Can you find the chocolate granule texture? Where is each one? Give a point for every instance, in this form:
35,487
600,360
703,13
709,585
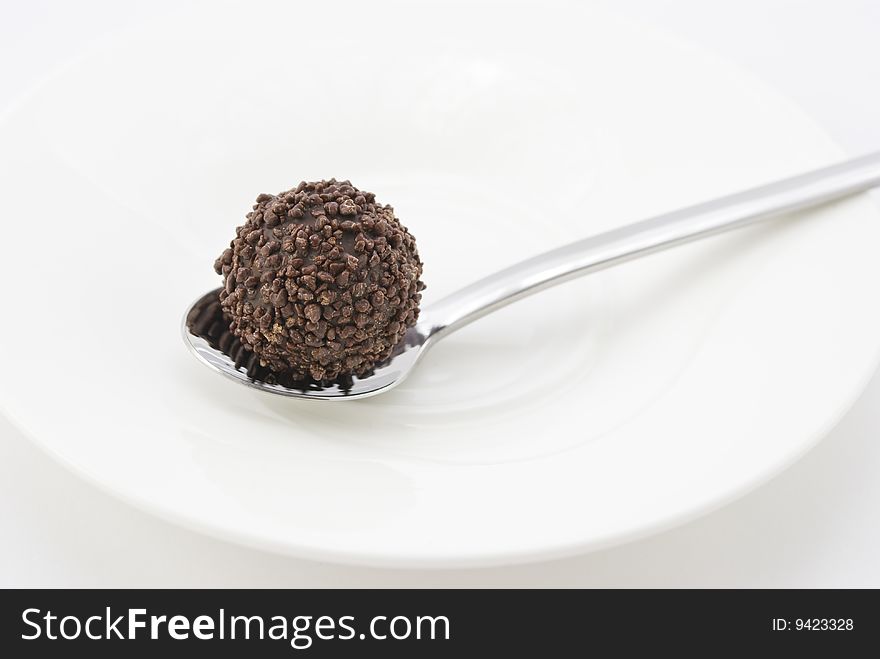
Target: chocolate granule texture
320,281
207,320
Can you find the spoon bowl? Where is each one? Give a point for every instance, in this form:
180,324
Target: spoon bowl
384,377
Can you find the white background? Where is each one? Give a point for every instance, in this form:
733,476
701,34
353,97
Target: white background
815,525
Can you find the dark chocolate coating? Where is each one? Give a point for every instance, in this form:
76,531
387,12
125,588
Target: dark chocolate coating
321,281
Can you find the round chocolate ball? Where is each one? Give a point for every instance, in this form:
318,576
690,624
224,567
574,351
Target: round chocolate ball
321,281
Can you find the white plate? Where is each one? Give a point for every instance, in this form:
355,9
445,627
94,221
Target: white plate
593,413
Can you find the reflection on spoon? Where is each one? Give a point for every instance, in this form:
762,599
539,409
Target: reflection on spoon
205,330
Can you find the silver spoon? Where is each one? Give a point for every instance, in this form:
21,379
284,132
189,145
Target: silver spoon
559,265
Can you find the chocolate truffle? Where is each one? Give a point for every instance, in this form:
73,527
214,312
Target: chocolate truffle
321,281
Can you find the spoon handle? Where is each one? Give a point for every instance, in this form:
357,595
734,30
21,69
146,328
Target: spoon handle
648,236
